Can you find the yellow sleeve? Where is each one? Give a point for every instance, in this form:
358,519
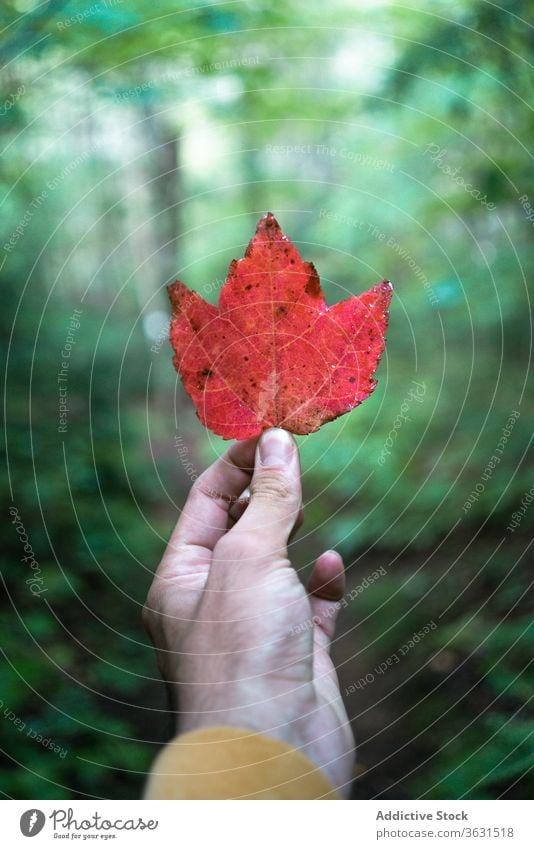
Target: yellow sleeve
234,763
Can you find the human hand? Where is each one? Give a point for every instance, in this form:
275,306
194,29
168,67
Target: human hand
224,608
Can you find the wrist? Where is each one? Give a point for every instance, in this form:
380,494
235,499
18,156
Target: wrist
285,716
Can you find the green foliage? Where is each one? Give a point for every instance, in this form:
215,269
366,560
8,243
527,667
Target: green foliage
460,700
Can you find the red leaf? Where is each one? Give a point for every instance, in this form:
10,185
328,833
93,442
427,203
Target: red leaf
273,353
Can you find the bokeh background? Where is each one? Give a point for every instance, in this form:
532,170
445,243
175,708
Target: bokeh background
140,143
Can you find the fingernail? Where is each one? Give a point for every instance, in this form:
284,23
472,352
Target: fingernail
276,447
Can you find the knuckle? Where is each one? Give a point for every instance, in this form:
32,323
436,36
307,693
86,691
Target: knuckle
203,486
272,485
201,482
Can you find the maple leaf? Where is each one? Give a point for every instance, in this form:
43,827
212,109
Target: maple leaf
273,354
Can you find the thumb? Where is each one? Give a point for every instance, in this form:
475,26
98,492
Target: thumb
275,493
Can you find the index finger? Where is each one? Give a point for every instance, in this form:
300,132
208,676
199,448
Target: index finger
204,518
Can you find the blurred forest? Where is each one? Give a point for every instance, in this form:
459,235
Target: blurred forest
142,143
